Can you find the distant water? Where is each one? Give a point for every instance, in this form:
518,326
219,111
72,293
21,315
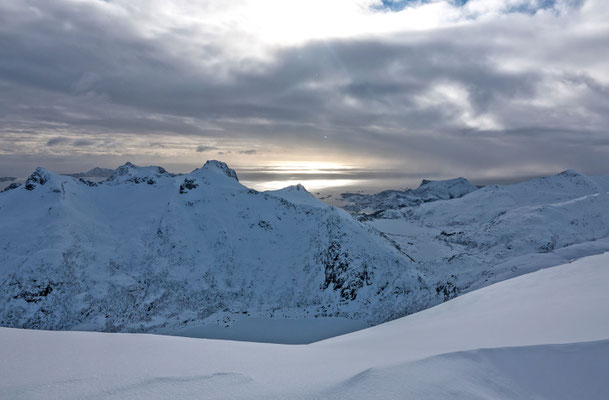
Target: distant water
329,183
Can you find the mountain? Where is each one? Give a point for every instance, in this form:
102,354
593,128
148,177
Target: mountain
544,336
501,231
427,192
200,254
94,173
147,250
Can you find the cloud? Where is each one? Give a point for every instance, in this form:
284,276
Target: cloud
248,152
496,86
201,148
83,143
57,141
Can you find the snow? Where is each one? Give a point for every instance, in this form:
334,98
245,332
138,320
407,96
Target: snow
543,335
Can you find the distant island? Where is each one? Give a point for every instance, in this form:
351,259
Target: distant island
94,173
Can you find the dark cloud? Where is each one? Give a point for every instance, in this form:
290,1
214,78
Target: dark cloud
57,141
201,148
83,143
248,152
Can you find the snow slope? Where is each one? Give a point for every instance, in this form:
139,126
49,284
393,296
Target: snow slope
151,251
543,335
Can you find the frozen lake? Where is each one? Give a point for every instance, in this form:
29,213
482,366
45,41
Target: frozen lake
273,330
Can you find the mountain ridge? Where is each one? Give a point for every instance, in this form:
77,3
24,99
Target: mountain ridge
147,249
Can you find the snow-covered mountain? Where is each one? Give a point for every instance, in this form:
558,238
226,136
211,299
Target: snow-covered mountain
427,192
96,172
151,251
498,232
147,250
544,336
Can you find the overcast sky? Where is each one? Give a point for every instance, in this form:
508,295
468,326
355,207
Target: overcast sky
478,88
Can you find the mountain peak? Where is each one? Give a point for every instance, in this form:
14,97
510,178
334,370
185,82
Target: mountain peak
129,172
221,166
96,172
569,173
295,188
297,194
446,182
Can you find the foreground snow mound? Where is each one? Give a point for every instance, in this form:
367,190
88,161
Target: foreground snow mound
543,335
427,192
573,371
147,250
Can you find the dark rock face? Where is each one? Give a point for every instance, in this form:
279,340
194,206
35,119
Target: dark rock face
448,290
340,275
38,177
11,187
88,182
188,184
34,294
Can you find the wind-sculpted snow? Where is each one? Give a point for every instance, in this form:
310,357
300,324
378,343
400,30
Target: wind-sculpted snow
427,192
148,250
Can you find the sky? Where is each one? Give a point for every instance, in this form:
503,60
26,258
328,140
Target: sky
486,89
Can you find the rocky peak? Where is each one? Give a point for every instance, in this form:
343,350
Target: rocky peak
570,173
221,166
129,172
39,177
